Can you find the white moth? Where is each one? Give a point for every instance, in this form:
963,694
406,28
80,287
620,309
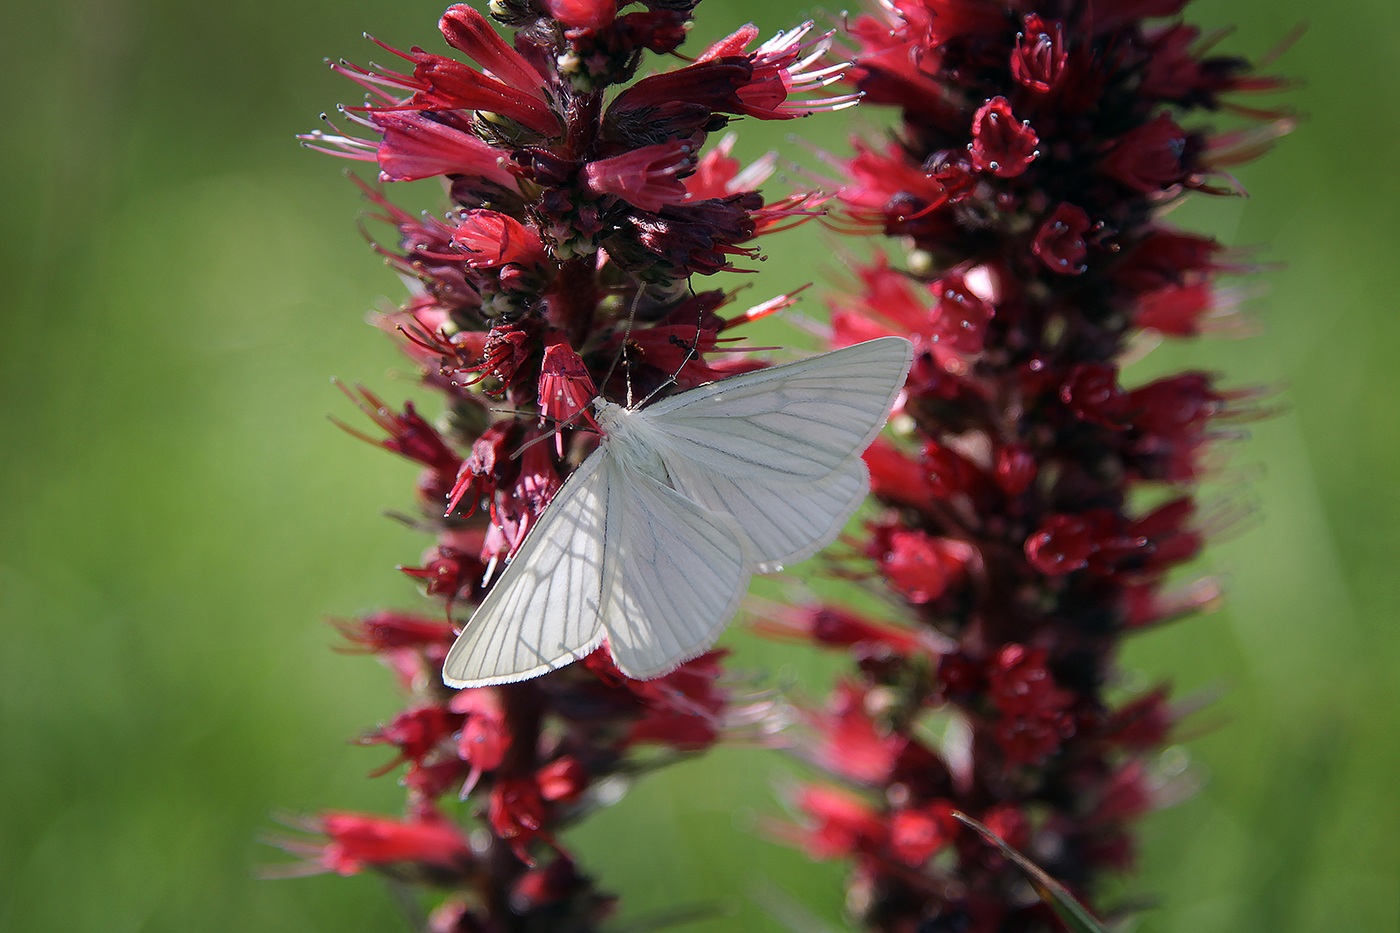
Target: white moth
650,543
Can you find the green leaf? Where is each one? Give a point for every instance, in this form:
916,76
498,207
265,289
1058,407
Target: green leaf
1074,915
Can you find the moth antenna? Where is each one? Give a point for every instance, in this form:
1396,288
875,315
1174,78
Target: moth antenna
626,338
692,351
559,425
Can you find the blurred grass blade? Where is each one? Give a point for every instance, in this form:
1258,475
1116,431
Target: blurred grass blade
1072,914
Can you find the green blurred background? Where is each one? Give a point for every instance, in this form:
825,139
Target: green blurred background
179,516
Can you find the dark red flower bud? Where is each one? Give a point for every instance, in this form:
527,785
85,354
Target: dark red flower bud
1064,544
1015,469
1148,158
1092,393
548,885
1060,241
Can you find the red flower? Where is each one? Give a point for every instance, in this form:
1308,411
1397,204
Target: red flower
916,835
647,177
494,239
388,631
518,815
849,743
470,33
840,824
1034,712
357,841
921,567
416,146
1000,144
1040,57
416,732
583,14
485,737
836,628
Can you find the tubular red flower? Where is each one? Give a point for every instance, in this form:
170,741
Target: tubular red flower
470,33
649,177
358,841
494,239
416,146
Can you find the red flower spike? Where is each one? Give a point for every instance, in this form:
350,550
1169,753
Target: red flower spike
1001,145
1046,242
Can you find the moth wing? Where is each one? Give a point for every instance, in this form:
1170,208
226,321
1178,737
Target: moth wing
675,575
799,420
781,523
544,611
